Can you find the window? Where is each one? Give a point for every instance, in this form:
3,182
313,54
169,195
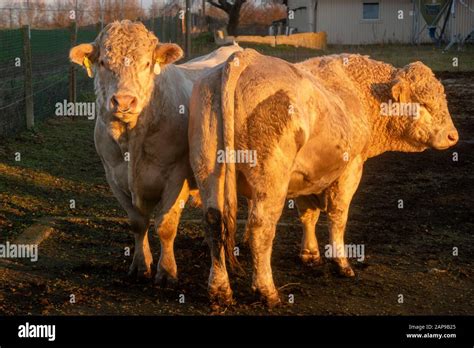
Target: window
370,10
432,9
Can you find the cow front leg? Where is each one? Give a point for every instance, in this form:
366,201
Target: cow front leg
139,224
339,198
142,257
168,214
309,215
337,224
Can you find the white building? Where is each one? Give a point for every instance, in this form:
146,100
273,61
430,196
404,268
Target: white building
372,21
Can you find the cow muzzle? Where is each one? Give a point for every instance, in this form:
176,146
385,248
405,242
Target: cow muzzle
123,103
445,139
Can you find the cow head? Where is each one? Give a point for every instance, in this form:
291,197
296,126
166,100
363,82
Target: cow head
125,57
432,127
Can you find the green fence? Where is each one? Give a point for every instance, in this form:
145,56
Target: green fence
12,108
51,69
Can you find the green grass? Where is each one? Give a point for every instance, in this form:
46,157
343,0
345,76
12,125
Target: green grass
58,163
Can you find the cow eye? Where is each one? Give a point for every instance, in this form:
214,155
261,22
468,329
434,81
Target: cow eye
101,63
148,64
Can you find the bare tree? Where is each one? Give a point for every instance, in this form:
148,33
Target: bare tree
232,8
39,14
7,15
60,14
261,14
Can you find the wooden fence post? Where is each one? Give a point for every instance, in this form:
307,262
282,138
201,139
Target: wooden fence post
30,117
174,27
188,27
163,28
179,30
72,69
153,18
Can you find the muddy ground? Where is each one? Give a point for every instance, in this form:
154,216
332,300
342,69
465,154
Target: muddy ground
408,251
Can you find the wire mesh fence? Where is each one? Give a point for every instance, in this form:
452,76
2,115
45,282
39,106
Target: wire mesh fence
50,67
12,108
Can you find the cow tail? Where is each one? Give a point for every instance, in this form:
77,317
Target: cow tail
231,73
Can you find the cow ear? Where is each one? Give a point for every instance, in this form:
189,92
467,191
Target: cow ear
166,54
400,91
84,55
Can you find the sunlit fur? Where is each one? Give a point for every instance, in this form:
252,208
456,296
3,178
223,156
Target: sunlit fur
145,151
312,125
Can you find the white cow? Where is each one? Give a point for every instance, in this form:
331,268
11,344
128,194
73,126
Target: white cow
141,130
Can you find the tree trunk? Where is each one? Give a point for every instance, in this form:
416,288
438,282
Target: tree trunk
234,17
232,10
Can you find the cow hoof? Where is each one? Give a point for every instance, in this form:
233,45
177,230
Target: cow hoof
270,299
139,275
346,272
221,298
165,280
311,258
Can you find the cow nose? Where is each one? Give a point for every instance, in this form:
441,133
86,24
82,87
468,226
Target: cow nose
453,137
124,102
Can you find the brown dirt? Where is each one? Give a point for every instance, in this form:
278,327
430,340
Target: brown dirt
408,251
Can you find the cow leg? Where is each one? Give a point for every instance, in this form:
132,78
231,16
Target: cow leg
139,223
220,293
142,258
261,226
219,289
309,215
245,238
209,178
168,214
339,198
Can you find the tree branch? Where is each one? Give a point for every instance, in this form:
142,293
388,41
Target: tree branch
223,5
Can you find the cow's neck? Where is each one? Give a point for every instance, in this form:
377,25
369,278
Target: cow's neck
373,79
121,132
386,135
388,132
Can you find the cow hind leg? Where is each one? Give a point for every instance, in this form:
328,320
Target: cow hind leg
262,227
220,293
309,215
211,183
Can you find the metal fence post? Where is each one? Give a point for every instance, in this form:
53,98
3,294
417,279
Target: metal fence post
30,118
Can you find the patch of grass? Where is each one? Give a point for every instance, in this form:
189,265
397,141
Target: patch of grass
58,163
204,38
